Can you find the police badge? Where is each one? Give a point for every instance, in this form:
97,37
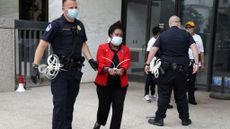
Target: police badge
78,28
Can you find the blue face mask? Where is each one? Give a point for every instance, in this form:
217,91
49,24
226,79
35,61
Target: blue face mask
116,41
72,13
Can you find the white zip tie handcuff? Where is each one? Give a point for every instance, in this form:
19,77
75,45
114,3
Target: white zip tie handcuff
155,69
116,67
52,69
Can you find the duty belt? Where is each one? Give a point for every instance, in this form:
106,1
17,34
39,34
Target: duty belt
71,63
174,66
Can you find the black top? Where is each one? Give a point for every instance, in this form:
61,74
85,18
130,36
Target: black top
173,45
66,38
114,81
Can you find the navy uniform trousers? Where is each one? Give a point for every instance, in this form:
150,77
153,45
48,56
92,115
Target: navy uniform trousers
65,90
172,80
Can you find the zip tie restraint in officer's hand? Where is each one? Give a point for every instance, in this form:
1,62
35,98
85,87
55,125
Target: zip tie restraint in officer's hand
93,64
35,74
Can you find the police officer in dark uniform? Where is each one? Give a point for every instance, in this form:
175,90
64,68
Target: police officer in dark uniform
173,45
68,41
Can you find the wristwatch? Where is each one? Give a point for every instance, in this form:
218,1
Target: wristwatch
35,66
196,64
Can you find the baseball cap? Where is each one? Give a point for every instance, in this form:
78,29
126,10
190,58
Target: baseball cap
190,23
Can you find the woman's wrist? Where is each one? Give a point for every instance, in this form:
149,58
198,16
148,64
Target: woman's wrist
106,69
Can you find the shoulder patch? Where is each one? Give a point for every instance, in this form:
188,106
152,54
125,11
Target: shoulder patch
48,27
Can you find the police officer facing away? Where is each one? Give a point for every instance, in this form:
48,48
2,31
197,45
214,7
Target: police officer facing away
67,37
173,45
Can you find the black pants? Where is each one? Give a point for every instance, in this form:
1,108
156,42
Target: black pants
149,84
65,90
107,96
177,81
191,87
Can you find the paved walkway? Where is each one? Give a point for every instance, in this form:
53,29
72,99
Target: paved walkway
33,110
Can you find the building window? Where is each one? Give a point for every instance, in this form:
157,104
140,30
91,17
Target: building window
34,10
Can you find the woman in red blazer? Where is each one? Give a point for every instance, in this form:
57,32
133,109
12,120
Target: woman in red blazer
112,79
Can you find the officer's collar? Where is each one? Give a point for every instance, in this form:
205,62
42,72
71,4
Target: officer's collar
175,27
63,18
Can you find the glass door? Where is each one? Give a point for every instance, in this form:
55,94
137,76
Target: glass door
201,12
142,16
221,62
136,36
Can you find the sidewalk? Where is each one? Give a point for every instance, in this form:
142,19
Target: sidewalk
33,110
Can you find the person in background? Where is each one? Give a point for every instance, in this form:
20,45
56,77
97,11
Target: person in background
67,37
190,26
149,82
112,78
173,45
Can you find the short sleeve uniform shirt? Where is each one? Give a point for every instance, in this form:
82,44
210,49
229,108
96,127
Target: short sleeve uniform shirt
66,38
173,45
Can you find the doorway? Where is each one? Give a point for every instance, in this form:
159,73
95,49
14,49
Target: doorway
142,16
136,36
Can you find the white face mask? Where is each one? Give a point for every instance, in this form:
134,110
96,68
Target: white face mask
116,40
72,13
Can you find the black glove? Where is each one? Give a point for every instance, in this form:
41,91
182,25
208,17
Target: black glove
35,74
93,64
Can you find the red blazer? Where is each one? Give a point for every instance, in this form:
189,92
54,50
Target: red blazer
105,51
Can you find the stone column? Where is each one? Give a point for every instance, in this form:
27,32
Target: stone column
7,55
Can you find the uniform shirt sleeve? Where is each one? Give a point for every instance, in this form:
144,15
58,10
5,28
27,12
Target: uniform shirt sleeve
190,39
157,43
83,34
50,32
